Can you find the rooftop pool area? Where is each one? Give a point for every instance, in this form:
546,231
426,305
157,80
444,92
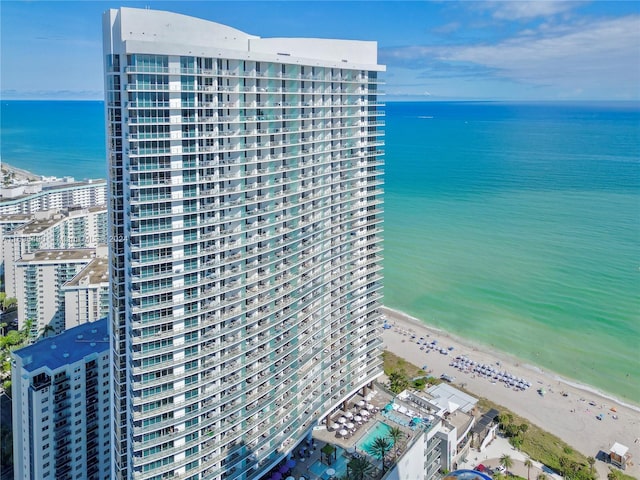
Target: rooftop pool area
379,429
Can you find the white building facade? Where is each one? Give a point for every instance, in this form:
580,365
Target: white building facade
41,276
32,198
245,204
60,406
86,296
75,228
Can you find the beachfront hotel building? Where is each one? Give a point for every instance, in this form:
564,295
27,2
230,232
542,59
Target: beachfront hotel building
245,199
60,406
38,196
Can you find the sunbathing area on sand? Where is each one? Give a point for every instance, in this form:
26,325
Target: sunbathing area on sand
587,421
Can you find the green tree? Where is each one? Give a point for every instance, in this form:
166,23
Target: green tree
395,435
506,461
3,325
398,381
505,419
379,449
591,461
542,476
6,386
565,464
359,468
12,339
528,464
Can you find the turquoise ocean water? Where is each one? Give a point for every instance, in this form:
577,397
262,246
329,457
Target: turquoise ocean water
517,226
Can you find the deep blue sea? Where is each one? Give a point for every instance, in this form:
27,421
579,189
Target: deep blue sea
515,225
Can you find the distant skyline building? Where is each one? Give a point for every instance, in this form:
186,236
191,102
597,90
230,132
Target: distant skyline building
60,406
245,212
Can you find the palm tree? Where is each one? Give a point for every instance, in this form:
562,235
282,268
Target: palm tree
3,325
591,461
523,429
506,461
542,476
359,468
528,464
379,449
395,435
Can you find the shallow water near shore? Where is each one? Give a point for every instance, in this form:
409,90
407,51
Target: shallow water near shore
515,226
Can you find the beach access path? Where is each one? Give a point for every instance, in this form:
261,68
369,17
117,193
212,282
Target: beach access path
566,410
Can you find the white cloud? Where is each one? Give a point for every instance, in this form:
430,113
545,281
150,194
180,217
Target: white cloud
600,59
524,10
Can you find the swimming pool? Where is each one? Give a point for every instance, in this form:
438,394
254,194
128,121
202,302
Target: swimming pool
319,469
380,429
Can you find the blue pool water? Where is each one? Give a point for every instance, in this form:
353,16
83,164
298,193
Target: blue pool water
380,429
319,468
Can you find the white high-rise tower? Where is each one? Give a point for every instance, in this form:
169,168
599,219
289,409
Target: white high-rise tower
245,199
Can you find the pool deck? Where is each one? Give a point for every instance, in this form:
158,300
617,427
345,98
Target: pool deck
322,436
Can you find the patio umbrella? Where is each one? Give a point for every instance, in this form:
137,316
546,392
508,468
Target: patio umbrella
283,469
350,425
361,403
290,478
330,472
276,476
342,420
291,463
357,418
342,432
364,413
348,415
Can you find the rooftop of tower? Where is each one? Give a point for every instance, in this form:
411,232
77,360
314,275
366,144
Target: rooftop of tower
155,31
68,347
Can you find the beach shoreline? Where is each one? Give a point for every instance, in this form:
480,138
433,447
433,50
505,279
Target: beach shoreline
588,389
19,172
568,409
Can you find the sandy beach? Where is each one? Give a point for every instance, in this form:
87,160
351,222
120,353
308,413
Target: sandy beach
567,409
18,173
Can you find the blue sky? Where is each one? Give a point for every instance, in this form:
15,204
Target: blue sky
446,50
